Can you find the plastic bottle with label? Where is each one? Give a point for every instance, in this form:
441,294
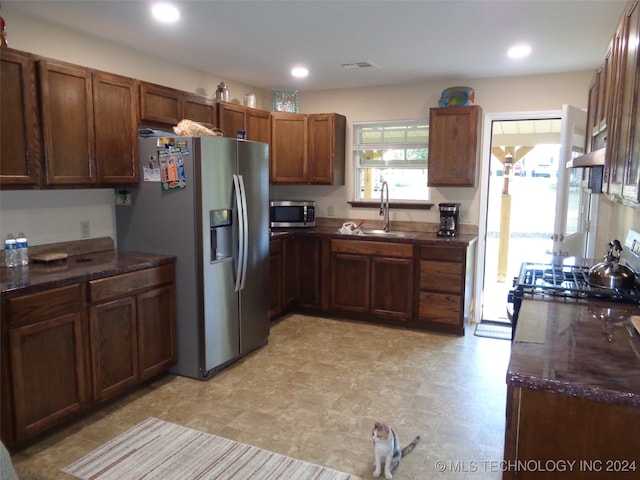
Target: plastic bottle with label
10,251
23,249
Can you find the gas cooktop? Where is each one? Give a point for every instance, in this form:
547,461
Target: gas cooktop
567,281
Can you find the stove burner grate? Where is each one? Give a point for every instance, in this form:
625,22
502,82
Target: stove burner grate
567,281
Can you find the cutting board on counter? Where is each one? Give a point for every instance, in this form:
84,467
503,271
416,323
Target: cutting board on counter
48,257
57,251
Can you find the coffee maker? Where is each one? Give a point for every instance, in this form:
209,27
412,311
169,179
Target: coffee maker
449,213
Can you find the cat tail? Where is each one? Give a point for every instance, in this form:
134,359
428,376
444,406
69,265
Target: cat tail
409,448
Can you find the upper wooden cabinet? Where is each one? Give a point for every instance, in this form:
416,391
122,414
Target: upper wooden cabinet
116,124
614,100
200,109
289,148
68,124
627,140
254,122
166,107
308,148
88,121
20,153
258,125
160,105
454,144
327,133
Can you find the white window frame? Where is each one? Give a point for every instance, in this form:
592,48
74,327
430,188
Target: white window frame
397,135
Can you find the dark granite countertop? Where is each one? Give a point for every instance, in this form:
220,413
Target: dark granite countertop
421,237
586,349
76,269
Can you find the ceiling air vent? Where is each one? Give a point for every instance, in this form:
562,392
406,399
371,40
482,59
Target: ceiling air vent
354,65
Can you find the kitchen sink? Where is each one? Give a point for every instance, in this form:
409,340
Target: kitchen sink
391,233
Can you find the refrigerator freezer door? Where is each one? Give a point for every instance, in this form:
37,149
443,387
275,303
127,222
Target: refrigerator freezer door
253,167
221,309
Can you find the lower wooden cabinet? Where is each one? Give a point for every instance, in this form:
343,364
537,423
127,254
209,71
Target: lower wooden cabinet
372,278
601,438
66,349
275,278
295,274
422,285
156,330
350,289
47,368
132,328
445,286
114,347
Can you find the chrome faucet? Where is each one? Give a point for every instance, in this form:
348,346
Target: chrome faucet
384,205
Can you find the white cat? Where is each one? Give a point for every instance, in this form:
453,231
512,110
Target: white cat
386,448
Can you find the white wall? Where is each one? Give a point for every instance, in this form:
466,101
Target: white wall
32,212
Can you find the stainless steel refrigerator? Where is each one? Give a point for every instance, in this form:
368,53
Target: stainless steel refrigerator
205,200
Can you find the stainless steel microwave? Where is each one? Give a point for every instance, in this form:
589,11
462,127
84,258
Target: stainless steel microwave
292,213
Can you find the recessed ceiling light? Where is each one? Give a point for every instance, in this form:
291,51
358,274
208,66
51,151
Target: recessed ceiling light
165,12
299,72
519,51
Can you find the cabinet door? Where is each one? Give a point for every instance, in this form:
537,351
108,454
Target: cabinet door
160,105
48,373
156,331
440,308
20,146
454,135
308,272
289,146
290,267
592,124
441,276
231,119
612,107
200,109
628,127
116,124
258,125
392,287
114,347
326,149
350,276
68,121
276,278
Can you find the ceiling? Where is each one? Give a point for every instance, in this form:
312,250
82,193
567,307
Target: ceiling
257,42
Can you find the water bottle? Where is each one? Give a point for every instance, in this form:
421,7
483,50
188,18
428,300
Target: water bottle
22,247
10,251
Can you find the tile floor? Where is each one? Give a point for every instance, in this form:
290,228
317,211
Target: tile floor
314,392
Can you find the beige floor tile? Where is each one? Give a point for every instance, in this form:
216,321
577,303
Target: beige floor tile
314,392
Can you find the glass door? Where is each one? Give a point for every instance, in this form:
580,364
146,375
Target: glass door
572,197
535,205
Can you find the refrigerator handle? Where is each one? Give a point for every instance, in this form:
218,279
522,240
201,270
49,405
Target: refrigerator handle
241,234
245,230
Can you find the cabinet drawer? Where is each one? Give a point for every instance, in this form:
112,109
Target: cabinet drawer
435,252
128,283
441,276
440,308
44,305
387,249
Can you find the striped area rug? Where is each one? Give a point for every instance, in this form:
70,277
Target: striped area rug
159,450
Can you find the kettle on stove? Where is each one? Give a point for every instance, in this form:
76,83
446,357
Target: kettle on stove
610,273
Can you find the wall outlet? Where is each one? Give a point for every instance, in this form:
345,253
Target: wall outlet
123,199
330,211
85,229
